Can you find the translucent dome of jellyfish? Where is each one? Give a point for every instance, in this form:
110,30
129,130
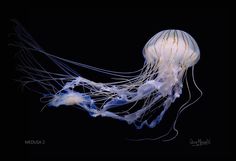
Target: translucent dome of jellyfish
168,55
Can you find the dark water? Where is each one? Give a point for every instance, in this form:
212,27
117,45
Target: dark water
113,39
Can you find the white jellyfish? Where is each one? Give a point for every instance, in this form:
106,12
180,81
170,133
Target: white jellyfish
134,97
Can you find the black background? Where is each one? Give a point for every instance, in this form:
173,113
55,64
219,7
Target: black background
113,39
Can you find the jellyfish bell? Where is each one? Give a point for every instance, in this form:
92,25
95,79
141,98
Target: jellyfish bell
172,46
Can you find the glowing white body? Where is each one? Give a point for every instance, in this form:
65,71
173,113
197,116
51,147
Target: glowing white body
168,55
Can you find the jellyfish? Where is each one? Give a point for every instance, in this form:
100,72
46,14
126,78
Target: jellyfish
133,97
